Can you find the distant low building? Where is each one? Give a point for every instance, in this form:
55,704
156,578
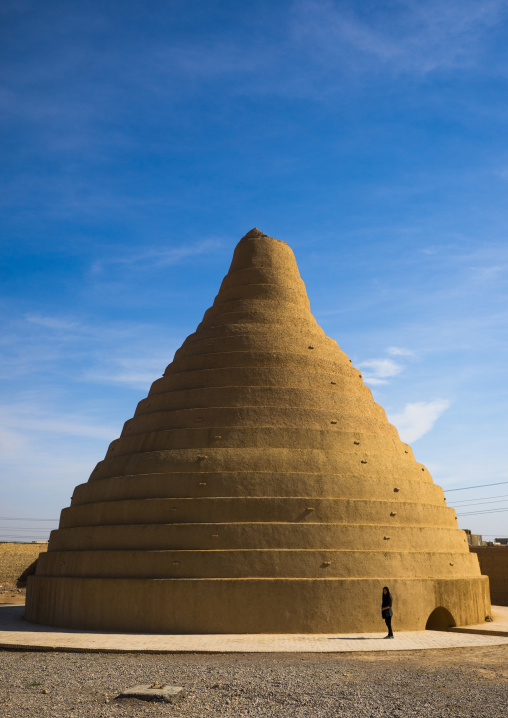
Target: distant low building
474,539
502,541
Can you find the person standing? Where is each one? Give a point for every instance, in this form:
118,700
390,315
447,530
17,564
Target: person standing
386,610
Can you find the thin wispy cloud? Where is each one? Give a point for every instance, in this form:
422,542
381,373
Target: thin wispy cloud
11,442
320,38
379,371
18,419
400,352
414,37
418,419
156,258
60,349
52,322
136,372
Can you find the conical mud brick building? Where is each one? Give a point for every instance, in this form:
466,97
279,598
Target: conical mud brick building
258,488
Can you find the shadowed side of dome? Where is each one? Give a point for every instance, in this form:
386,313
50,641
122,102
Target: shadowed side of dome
257,488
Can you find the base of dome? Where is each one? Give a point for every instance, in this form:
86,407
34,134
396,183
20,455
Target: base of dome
203,606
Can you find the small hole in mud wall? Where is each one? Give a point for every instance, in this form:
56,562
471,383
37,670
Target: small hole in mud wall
440,620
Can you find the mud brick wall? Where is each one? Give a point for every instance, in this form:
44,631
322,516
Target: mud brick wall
494,564
15,557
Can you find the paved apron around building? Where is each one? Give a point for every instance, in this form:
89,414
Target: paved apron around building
16,633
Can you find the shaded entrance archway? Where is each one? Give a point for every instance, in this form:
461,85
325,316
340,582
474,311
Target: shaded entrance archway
440,620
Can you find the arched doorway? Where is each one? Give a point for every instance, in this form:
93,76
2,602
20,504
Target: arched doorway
440,620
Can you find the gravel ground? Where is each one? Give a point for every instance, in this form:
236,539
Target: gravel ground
455,682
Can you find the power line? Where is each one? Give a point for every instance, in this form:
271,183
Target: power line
23,531
477,503
479,486
16,531
487,511
479,500
5,529
10,518
12,527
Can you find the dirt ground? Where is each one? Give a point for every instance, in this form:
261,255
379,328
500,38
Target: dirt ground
14,559
11,594
465,683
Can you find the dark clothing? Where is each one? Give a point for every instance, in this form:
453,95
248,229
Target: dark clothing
386,609
386,606
387,601
388,621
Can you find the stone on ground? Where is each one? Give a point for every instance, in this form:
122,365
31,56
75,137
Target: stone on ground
154,692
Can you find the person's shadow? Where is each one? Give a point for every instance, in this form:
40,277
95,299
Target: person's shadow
354,638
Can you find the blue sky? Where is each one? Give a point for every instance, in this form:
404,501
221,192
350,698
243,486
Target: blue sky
142,140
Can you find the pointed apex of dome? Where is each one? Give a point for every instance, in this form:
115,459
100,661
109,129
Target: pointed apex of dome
254,233
263,285
256,249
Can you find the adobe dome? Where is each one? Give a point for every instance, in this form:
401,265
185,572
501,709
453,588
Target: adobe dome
258,488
